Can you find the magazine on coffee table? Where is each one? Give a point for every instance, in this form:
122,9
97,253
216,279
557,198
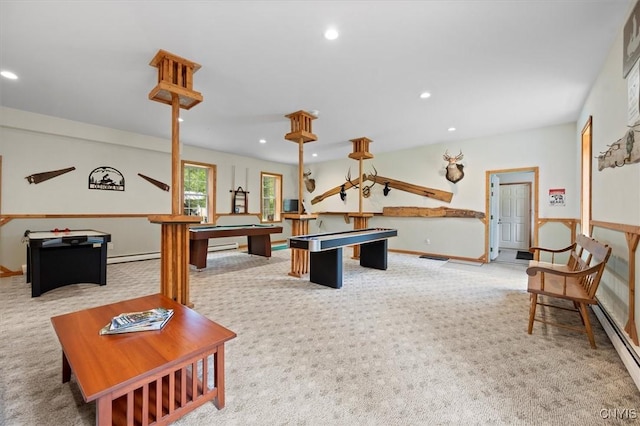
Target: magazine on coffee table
152,319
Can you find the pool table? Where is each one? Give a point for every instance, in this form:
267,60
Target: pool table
258,239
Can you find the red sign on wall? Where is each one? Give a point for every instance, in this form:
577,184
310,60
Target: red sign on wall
557,197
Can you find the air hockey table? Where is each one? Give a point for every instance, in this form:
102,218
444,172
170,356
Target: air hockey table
58,258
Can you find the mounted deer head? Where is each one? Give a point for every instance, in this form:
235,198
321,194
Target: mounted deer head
366,190
454,170
310,184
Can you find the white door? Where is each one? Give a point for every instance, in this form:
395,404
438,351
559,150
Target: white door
515,214
494,228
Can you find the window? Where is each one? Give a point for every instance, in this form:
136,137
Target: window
198,190
271,197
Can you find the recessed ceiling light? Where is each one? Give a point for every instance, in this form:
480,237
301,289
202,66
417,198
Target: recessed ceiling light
331,34
263,141
314,154
425,95
180,120
8,74
314,112
451,129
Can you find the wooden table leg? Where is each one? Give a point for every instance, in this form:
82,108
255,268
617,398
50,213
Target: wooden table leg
104,412
66,369
218,376
198,253
259,245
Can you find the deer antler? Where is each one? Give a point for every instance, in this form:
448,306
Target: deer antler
451,159
366,191
348,178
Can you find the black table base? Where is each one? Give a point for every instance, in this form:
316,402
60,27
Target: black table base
325,267
53,266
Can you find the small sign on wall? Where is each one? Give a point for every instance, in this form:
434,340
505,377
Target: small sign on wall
106,178
557,197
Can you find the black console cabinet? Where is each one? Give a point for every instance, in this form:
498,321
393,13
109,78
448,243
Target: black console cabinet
56,259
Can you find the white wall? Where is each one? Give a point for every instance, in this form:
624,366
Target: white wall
551,149
32,143
616,191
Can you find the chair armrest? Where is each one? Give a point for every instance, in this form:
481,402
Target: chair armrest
548,250
533,270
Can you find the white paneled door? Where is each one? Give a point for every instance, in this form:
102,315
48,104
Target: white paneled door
515,215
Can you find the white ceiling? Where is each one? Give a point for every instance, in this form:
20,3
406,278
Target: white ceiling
491,66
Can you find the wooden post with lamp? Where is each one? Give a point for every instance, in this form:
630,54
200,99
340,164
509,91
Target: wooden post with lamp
301,133
175,88
360,219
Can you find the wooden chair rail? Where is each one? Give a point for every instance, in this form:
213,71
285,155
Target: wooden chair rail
533,270
536,251
5,218
632,235
549,250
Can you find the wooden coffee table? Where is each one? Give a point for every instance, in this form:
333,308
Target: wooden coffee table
148,377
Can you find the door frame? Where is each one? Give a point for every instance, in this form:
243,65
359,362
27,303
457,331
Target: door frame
586,142
494,226
530,218
534,210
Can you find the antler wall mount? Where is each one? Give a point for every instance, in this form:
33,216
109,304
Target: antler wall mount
366,190
625,150
436,194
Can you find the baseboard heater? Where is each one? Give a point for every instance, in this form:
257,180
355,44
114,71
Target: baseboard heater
621,343
156,255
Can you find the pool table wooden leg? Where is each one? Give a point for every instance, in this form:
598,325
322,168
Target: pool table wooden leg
198,253
259,245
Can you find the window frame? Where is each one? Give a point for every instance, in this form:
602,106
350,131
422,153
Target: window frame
211,188
277,218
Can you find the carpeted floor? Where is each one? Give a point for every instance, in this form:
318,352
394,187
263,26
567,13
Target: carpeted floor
425,342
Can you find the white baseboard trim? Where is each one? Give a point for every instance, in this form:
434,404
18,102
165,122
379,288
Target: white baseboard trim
627,354
156,255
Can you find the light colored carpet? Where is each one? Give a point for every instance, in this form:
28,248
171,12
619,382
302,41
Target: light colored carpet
425,342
